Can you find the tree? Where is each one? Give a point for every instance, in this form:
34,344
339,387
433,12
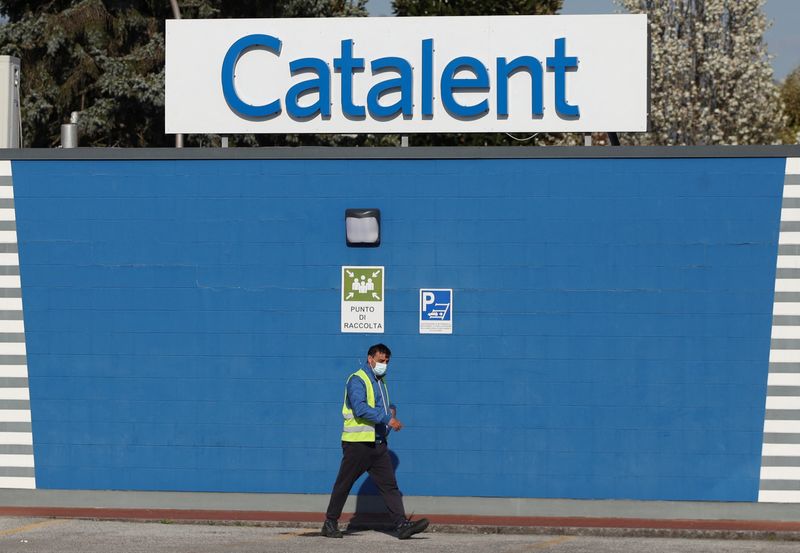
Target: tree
83,57
790,96
711,78
105,59
475,7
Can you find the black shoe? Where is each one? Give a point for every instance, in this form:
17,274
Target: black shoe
410,527
331,529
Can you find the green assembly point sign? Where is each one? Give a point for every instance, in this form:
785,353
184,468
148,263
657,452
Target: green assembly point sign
363,284
362,299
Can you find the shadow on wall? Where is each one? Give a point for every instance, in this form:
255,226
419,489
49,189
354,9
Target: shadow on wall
371,513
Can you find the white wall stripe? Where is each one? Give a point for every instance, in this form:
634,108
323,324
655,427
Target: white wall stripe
16,438
22,393
19,415
779,496
787,214
785,308
5,168
13,371
789,262
8,236
789,238
778,473
786,427
784,356
12,326
781,284
783,402
792,166
17,482
785,332
7,192
9,281
791,191
12,460
7,214
780,450
784,379
9,259
14,304
12,348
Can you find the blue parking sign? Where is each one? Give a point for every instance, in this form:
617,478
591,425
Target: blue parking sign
436,310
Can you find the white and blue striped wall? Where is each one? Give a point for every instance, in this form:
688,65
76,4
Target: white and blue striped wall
780,461
16,438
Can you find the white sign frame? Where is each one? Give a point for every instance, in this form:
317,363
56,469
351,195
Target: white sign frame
609,82
436,326
362,316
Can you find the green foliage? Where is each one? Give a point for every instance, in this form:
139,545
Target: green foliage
475,7
107,65
790,96
105,59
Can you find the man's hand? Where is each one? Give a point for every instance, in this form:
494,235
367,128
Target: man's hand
395,424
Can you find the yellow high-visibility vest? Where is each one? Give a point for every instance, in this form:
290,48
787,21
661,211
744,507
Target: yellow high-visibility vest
357,429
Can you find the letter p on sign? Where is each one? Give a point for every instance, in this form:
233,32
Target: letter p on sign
427,299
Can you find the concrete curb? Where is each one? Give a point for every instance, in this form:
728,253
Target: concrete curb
684,533
764,530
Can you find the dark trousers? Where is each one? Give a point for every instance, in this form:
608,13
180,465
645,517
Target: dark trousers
361,457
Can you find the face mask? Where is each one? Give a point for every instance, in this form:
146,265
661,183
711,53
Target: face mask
380,368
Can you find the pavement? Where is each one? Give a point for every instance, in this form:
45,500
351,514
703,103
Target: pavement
67,535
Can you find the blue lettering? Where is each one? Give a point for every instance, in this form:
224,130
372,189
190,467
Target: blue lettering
321,85
478,83
560,63
233,55
505,70
427,76
346,65
403,83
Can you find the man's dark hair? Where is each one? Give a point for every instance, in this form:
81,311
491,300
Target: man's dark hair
379,348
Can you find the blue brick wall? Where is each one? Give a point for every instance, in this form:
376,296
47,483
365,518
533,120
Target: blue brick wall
612,323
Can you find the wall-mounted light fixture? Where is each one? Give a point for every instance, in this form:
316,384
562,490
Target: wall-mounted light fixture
363,227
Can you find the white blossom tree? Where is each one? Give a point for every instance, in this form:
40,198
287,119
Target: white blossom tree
710,77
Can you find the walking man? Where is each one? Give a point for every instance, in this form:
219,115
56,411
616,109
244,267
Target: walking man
368,419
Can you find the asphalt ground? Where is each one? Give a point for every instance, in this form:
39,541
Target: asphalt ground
49,535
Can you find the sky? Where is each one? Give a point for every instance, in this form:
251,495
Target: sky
783,38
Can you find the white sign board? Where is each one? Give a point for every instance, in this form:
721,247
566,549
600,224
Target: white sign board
436,311
362,299
564,73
